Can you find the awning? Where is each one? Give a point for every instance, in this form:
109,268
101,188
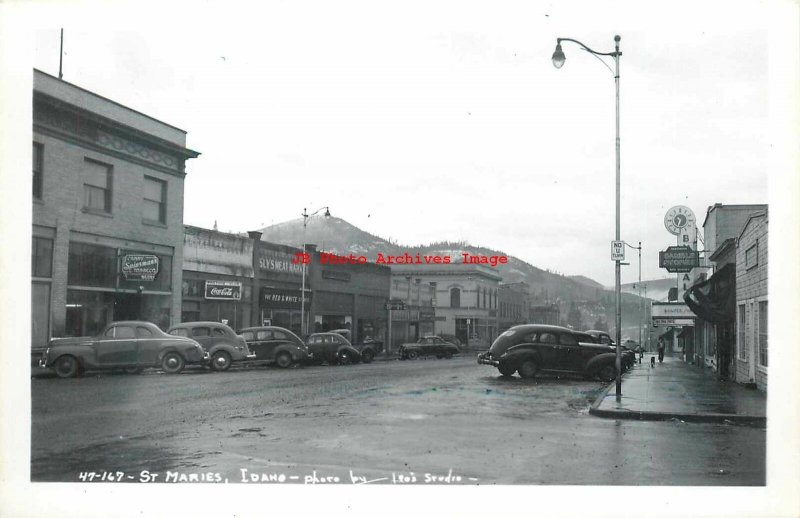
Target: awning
714,300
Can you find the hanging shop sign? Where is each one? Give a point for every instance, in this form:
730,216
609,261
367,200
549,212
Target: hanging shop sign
678,259
223,290
139,267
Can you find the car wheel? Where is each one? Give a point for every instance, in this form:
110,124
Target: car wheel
133,370
221,361
506,370
607,373
172,363
345,358
283,360
528,369
66,367
412,355
367,356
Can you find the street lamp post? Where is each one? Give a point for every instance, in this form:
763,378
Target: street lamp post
639,287
306,215
558,62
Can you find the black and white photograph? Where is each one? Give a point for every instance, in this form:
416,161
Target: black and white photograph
359,258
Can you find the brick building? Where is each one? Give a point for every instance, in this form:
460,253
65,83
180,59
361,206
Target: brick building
239,279
107,213
752,300
419,317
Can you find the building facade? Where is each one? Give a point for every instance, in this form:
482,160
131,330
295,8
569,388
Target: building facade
466,299
107,213
348,296
240,280
419,317
549,314
722,222
752,302
513,305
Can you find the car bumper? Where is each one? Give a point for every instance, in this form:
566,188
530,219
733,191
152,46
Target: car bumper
486,359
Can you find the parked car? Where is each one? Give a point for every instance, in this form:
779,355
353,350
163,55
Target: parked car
332,348
453,339
275,345
628,355
533,348
368,348
427,346
129,345
220,342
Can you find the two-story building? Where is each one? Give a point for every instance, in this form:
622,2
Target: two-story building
513,305
107,213
722,223
466,299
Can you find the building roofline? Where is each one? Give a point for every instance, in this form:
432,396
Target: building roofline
722,248
755,215
110,101
754,206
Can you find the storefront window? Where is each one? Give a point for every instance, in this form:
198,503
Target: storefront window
92,265
42,257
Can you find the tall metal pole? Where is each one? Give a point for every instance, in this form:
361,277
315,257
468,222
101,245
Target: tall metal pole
641,305
61,56
616,263
303,283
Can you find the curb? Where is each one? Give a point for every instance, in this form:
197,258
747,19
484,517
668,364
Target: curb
642,415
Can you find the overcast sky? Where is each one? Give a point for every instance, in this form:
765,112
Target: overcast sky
427,121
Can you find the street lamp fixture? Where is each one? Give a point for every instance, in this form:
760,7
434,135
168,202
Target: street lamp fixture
306,215
558,61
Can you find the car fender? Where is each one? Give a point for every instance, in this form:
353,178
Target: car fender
516,355
86,355
292,349
596,362
234,354
352,350
170,349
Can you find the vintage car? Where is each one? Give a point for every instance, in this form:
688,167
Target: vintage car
275,345
332,348
220,342
129,345
368,348
628,355
532,348
427,346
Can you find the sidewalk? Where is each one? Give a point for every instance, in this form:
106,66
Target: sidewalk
677,390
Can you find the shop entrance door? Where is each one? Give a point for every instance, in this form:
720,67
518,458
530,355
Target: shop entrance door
127,306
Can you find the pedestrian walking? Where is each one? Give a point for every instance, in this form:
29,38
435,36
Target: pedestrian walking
660,350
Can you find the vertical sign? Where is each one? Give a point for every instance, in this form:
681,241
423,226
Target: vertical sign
618,250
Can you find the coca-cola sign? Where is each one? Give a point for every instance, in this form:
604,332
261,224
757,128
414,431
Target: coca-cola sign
223,290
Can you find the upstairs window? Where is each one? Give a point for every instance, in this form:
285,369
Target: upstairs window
154,207
97,186
38,167
455,298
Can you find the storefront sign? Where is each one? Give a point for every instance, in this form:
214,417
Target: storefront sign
223,290
667,310
282,298
139,267
678,259
277,261
672,322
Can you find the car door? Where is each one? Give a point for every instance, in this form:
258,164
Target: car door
547,344
315,347
569,353
148,346
117,346
437,346
202,334
264,345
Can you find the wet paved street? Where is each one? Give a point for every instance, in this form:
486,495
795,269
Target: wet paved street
385,422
